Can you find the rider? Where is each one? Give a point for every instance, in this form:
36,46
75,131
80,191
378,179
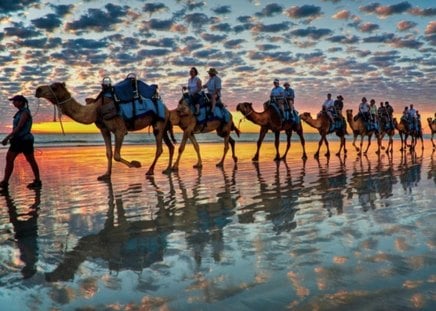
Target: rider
213,86
413,118
194,88
364,109
278,95
289,96
329,106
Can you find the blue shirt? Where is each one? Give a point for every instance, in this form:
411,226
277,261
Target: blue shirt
277,92
289,93
214,84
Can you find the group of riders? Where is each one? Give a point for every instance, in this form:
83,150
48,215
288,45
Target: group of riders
282,98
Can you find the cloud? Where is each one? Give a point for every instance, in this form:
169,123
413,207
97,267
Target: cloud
312,32
405,25
430,29
191,5
152,8
305,11
343,14
343,39
14,5
157,24
270,10
48,22
224,27
20,31
197,20
222,10
368,27
259,27
423,12
384,11
213,38
408,42
232,44
99,20
62,9
384,38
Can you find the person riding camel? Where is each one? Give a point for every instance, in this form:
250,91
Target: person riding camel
329,107
213,86
364,109
289,96
278,95
194,89
413,122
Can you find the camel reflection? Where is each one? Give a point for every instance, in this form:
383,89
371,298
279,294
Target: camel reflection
25,226
203,223
331,185
368,182
278,201
123,244
409,170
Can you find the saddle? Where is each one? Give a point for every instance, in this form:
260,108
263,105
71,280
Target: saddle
132,98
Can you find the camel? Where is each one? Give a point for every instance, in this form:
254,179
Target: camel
359,128
270,120
432,126
59,96
184,117
322,124
403,129
383,132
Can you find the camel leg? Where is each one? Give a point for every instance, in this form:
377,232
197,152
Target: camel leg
262,133
432,142
401,138
379,144
170,146
108,143
369,144
226,149
277,145
303,141
327,154
119,138
232,145
361,145
354,143
319,147
288,144
197,151
341,146
158,134
182,145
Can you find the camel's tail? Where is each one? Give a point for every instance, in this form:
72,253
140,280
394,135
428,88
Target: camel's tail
234,128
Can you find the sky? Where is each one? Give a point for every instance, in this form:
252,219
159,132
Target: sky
383,49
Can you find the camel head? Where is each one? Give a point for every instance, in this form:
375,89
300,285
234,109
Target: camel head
305,116
244,108
349,112
183,107
56,93
429,120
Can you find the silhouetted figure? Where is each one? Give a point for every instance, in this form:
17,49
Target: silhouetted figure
25,225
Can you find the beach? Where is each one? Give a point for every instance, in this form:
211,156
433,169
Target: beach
344,233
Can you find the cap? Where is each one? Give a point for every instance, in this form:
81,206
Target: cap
276,80
212,70
19,98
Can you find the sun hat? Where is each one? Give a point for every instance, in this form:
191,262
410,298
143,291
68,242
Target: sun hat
19,98
286,84
276,80
212,71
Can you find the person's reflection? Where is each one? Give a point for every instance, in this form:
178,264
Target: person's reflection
26,231
410,170
331,186
385,177
124,244
205,222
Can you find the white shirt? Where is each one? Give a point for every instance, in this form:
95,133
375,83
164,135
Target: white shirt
193,84
328,103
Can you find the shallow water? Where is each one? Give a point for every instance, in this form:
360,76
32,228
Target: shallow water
343,234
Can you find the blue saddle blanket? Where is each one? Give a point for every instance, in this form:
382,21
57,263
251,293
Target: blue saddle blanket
338,124
128,89
220,112
141,107
286,115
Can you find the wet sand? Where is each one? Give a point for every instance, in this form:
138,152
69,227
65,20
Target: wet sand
344,233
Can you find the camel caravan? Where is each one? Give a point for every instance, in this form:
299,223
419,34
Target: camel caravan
132,105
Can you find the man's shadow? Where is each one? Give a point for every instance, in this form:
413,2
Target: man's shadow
25,224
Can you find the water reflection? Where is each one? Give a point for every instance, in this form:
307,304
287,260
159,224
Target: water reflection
331,184
205,220
25,225
123,244
409,170
277,200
